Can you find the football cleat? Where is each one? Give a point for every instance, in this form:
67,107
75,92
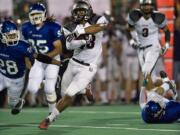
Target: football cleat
17,109
163,74
89,94
44,124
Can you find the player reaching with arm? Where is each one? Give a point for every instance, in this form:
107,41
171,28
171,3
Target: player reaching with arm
87,51
146,22
16,58
158,104
45,36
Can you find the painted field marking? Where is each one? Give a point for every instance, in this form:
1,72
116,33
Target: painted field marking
78,112
98,127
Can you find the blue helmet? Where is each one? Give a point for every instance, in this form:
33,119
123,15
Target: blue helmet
10,33
37,13
153,109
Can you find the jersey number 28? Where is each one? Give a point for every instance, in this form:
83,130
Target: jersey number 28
8,66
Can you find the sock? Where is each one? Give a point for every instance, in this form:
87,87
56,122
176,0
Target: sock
103,96
51,107
165,79
165,86
53,114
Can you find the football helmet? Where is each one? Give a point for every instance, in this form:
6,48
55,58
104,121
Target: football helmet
81,11
153,109
146,6
10,33
37,13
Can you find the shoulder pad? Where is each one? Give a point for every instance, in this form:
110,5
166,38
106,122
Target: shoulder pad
135,15
70,26
24,43
52,24
26,24
158,17
94,19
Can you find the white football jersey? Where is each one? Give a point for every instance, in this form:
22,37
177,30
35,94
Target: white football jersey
146,96
93,54
147,29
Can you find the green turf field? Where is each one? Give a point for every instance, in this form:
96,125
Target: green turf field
89,120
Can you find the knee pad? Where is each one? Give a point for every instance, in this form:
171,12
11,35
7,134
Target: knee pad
51,97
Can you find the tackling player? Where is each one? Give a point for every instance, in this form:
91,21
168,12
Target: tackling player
157,103
84,37
45,36
16,59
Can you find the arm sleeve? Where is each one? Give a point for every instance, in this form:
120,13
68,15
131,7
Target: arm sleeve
44,58
74,44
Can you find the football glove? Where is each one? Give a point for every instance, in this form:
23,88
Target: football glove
164,49
134,43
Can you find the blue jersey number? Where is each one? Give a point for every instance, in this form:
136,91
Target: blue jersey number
38,45
8,66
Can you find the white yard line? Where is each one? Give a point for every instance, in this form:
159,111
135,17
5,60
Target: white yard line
104,112
108,124
79,112
99,127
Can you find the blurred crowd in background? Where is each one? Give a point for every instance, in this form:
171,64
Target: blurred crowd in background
117,80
